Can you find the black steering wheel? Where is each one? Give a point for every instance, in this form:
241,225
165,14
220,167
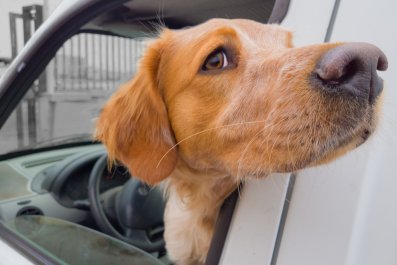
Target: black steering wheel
139,210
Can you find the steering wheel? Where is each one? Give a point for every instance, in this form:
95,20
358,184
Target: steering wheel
139,208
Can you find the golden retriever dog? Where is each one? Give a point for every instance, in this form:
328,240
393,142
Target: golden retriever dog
227,100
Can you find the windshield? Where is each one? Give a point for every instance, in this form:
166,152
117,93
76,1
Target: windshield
63,103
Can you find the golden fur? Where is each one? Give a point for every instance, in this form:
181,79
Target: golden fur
207,131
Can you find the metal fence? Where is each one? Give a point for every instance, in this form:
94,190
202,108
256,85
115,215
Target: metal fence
32,18
86,62
83,73
94,62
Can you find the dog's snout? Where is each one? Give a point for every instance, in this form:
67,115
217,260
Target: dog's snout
352,68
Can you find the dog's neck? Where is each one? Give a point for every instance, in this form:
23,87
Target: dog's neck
194,200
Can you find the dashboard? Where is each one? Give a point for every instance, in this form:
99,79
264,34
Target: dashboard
56,186
75,187
54,183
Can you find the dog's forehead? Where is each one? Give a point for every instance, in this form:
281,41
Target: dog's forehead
248,29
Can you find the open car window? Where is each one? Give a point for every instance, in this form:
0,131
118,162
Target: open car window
71,243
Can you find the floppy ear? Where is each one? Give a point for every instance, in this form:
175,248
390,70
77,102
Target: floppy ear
134,124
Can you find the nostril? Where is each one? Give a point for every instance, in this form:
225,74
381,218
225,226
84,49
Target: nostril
338,71
351,70
382,63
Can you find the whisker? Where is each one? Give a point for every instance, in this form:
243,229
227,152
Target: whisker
253,138
205,131
239,189
289,152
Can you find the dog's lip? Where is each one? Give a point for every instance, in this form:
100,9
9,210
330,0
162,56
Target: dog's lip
376,88
366,134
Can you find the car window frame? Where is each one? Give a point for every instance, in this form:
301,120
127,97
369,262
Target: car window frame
28,65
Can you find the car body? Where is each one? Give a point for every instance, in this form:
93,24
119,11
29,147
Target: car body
340,213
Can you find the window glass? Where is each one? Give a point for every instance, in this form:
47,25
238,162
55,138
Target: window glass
70,243
64,101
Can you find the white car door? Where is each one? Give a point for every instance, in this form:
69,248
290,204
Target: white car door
10,256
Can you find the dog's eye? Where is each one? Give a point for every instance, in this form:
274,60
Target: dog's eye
216,60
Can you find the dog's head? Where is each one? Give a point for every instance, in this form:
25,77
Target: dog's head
234,97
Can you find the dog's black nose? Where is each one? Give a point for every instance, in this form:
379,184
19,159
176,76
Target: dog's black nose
351,68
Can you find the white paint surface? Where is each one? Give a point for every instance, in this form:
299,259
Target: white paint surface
308,20
254,229
9,256
320,218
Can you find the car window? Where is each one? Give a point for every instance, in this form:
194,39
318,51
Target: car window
70,243
63,102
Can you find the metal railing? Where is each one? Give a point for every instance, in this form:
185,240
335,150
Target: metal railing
84,72
94,62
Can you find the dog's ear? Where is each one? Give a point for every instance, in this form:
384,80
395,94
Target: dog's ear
134,123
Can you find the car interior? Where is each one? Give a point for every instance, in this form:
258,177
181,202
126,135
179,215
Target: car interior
60,188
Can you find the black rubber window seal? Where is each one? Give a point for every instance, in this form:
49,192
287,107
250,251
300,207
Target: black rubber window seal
283,218
222,227
280,10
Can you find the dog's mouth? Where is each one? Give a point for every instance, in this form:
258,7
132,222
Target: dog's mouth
328,151
325,131
337,141
357,128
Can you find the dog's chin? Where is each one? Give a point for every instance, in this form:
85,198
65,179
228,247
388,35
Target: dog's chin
347,138
333,149
344,145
